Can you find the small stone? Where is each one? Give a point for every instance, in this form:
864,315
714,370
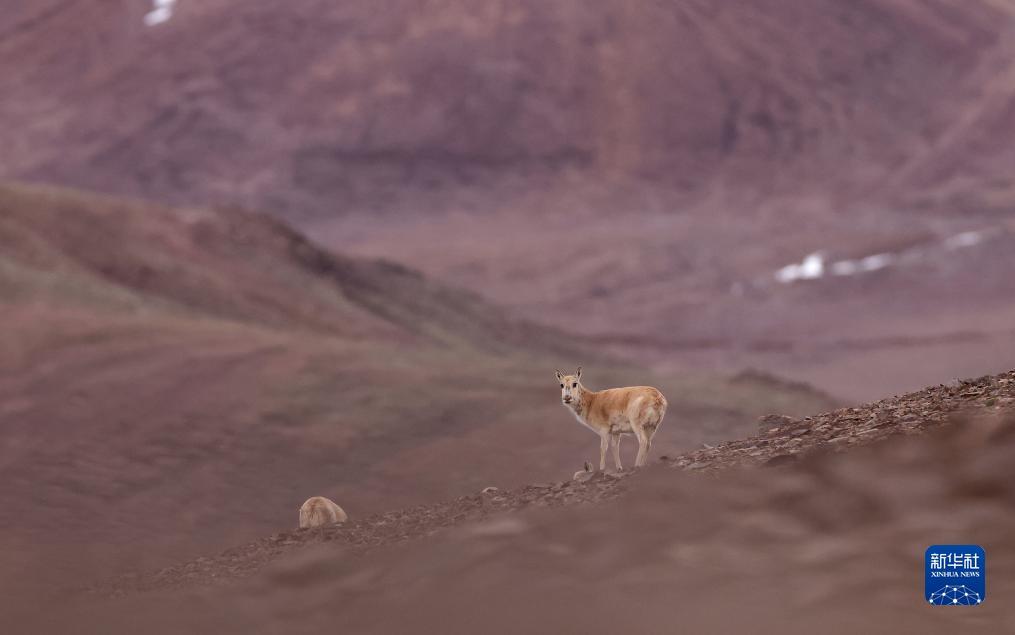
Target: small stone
768,422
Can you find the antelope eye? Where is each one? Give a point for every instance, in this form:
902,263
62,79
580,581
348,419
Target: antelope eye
562,385
574,385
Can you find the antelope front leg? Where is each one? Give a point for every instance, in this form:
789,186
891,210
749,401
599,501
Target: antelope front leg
615,440
603,442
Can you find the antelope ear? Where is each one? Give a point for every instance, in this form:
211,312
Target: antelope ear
578,373
560,375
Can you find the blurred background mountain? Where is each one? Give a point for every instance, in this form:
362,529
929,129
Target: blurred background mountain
634,171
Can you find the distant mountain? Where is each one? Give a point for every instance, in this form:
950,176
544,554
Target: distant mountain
318,108
636,172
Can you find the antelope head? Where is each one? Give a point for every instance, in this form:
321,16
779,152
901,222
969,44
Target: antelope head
570,386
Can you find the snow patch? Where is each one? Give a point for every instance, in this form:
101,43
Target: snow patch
965,239
877,261
846,267
161,11
811,268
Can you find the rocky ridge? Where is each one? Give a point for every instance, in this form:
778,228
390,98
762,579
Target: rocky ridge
835,431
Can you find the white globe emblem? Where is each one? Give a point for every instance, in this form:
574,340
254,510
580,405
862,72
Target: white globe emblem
955,594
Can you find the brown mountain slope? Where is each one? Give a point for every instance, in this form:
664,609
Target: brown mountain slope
175,380
661,547
243,267
787,444
633,173
316,107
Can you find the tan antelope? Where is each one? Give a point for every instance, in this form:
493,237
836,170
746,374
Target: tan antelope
318,511
610,413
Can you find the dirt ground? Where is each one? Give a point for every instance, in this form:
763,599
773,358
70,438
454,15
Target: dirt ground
790,528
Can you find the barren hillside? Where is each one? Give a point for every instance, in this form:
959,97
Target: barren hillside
818,499
337,248
177,380
648,168
318,107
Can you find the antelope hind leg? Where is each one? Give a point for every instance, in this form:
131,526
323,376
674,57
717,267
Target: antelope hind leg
643,447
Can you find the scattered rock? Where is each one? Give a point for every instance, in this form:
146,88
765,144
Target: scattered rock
772,421
783,445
